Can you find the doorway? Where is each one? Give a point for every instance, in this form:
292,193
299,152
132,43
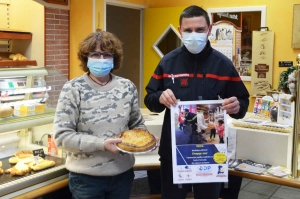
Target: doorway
126,24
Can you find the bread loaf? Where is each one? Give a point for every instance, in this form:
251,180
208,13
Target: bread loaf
6,111
17,57
43,164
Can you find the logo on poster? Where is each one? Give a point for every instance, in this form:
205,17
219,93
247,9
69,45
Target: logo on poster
204,171
220,172
205,168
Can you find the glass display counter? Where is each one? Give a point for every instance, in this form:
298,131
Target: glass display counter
31,94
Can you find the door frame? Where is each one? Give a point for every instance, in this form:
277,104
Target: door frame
132,6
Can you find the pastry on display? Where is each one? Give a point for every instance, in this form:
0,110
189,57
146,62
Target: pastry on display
19,169
6,111
136,140
17,57
24,154
42,164
15,160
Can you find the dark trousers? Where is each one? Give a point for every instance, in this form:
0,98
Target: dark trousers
154,181
212,133
231,192
172,191
221,139
233,188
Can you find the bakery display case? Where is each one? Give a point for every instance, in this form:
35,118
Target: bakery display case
27,107
26,92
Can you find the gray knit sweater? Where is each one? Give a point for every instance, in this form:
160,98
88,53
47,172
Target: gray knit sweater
87,114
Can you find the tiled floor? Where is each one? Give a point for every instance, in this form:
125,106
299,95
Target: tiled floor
254,189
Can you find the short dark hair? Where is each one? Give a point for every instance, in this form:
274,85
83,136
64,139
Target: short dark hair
107,42
205,113
194,11
220,121
186,110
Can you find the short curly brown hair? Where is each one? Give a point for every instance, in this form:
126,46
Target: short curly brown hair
107,41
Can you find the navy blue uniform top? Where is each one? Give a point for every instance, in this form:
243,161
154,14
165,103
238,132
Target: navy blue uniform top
205,76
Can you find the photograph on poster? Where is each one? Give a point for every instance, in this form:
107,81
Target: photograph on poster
199,142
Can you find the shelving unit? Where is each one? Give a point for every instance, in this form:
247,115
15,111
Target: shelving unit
21,122
15,35
285,110
11,63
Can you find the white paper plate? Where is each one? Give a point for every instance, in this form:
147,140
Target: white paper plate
135,153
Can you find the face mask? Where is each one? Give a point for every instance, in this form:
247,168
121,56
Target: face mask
194,42
100,67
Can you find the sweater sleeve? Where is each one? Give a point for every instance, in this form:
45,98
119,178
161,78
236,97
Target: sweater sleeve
154,90
65,124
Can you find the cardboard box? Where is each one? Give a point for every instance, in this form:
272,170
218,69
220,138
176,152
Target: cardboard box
30,107
26,113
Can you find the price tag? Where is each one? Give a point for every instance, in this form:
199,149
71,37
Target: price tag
39,152
36,159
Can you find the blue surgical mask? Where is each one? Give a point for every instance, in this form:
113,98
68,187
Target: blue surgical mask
193,41
100,67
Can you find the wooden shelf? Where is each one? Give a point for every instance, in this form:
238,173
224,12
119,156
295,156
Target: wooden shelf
5,63
15,35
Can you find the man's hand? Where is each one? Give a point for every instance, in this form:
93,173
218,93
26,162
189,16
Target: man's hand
231,105
168,98
110,144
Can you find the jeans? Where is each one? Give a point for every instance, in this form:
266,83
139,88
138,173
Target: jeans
101,187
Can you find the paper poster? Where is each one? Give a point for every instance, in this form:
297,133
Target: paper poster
199,143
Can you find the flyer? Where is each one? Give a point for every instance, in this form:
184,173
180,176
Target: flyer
199,142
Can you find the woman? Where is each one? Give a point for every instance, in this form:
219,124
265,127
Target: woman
92,109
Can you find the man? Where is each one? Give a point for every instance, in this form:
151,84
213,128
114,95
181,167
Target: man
202,124
191,125
194,71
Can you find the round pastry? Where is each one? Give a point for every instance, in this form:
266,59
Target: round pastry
13,160
137,140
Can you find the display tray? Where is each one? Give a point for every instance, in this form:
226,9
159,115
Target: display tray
9,184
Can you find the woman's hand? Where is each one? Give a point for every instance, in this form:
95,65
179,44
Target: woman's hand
110,144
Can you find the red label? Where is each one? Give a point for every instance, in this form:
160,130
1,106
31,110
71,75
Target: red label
184,82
